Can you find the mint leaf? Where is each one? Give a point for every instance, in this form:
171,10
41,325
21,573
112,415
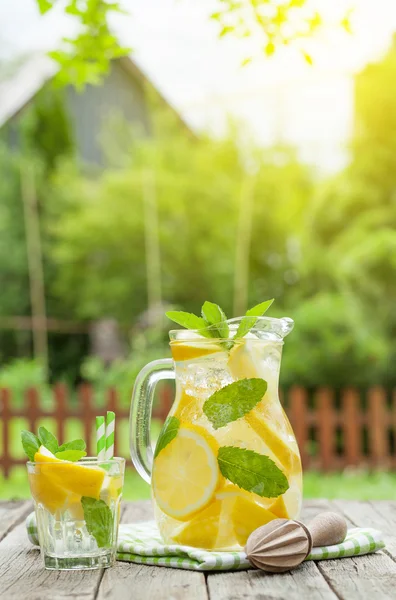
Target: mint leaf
99,520
72,455
73,445
30,443
168,433
259,309
233,401
250,319
188,320
48,440
252,472
214,315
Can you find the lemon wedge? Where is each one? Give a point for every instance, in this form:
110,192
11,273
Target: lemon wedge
183,351
279,508
45,492
202,530
72,477
246,516
186,473
187,407
282,450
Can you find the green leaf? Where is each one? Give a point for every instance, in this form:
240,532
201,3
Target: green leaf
30,443
72,455
234,401
99,520
250,320
44,6
73,445
214,315
168,433
185,319
48,440
259,309
252,472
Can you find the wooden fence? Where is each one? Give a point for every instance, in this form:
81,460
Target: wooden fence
334,430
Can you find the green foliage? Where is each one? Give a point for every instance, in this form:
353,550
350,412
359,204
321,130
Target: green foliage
272,24
121,374
21,374
85,58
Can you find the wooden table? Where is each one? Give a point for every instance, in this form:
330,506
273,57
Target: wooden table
373,577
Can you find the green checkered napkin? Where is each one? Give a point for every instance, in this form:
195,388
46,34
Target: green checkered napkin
142,543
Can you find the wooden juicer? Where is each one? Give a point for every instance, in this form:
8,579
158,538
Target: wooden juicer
283,544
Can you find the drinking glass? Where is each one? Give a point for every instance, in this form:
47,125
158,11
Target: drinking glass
77,506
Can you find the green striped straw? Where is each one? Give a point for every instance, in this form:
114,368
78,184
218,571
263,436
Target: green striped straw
100,438
110,426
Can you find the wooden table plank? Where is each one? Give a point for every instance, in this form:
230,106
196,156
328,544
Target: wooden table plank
147,582
22,576
380,515
302,583
11,514
363,577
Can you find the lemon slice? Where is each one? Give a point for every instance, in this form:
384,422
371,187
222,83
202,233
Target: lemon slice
246,516
45,492
284,452
183,351
241,363
202,530
186,473
187,407
72,477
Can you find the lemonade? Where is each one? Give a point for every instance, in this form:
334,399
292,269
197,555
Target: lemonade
226,462
76,501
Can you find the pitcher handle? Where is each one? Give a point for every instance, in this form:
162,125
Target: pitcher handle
140,415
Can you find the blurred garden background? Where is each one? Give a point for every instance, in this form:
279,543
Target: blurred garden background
172,162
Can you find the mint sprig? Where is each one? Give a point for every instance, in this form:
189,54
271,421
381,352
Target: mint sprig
250,319
168,433
214,315
213,323
252,472
71,451
98,519
234,401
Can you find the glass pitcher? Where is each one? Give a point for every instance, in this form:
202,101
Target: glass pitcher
226,461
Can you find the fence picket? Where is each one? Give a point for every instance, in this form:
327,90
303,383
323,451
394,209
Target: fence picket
351,423
378,430
326,429
60,396
299,420
6,461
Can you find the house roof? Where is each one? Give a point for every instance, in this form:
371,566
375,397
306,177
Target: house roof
31,76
